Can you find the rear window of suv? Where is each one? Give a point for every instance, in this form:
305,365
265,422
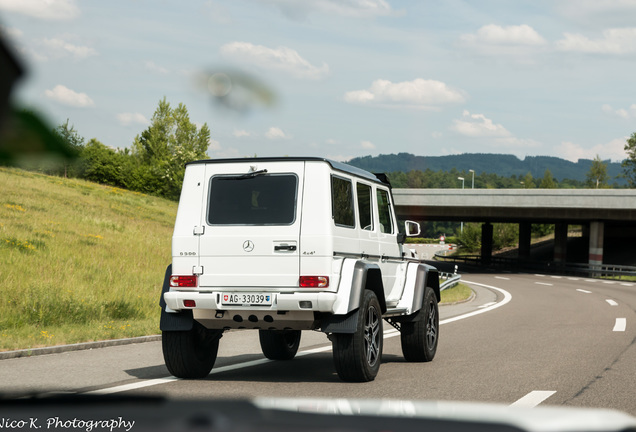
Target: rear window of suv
253,200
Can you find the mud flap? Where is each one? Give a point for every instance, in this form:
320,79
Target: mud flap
173,321
340,323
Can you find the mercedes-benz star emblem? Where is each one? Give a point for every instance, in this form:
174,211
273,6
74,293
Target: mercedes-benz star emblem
248,246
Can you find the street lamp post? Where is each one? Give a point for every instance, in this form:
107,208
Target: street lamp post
462,222
473,171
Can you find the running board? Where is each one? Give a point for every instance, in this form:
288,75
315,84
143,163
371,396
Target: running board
391,312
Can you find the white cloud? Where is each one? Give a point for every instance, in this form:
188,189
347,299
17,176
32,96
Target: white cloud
239,133
276,133
42,9
478,125
59,47
348,8
126,119
153,67
367,145
331,141
340,158
11,32
214,145
66,96
282,58
624,113
614,150
511,35
419,93
615,41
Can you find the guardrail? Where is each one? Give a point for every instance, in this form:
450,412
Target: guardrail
574,269
450,279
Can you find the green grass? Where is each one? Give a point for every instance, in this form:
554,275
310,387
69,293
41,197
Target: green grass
459,292
78,261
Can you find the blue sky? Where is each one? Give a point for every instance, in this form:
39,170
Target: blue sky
350,78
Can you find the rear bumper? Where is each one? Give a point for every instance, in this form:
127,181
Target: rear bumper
306,302
287,311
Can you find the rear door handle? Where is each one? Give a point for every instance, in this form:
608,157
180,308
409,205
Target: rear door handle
289,248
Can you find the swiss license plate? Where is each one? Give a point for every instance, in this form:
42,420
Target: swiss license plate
246,299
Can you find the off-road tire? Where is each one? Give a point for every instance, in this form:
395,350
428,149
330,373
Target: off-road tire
357,356
279,344
419,337
191,353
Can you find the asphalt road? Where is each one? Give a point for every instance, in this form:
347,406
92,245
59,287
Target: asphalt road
525,340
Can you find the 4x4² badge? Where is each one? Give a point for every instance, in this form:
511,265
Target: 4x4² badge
248,246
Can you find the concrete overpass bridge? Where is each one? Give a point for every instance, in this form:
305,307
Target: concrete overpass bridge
603,213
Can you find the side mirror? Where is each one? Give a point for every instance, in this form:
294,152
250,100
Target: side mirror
412,228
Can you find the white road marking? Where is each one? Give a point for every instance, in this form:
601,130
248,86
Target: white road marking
621,325
540,275
609,282
584,291
388,334
133,386
611,302
543,283
573,278
589,280
533,398
506,299
485,305
556,277
627,284
502,278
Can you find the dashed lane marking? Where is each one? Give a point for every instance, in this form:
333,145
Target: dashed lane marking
621,325
533,398
543,283
584,291
611,302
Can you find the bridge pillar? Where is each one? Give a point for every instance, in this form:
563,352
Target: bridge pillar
597,232
560,242
525,234
486,243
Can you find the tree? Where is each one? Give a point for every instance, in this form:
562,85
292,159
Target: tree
74,140
170,141
629,164
548,181
528,181
597,176
103,165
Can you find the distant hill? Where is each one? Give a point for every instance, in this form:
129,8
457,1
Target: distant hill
500,164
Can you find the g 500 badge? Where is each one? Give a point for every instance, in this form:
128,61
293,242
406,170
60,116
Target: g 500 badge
187,253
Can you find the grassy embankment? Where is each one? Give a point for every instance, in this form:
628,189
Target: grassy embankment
78,261
459,292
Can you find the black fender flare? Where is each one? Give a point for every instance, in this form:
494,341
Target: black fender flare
173,321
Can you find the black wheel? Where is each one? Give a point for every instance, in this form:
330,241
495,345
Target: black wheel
419,337
279,344
357,356
192,353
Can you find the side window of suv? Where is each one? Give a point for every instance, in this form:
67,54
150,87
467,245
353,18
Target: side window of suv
384,212
365,208
342,202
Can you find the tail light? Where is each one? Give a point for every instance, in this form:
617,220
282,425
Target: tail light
183,281
314,281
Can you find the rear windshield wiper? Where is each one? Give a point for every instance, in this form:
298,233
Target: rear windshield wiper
251,174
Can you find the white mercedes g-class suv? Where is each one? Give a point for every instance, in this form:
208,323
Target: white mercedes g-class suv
282,245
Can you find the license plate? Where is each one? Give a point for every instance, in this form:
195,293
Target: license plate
246,299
